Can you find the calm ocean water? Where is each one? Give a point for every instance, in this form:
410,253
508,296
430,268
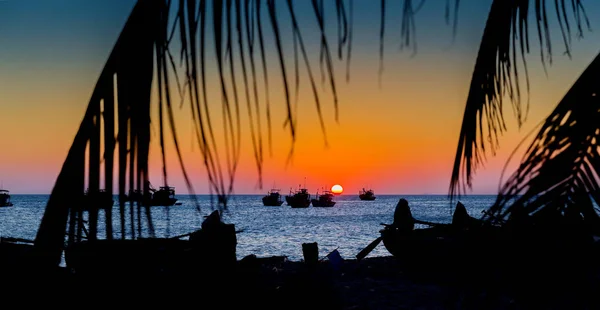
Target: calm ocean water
266,231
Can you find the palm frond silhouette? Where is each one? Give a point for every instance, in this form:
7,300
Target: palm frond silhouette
559,172
496,74
131,65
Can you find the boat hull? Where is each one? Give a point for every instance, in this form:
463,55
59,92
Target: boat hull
212,246
272,203
439,254
125,255
423,243
322,204
368,198
490,253
299,204
89,205
167,202
163,202
298,200
5,200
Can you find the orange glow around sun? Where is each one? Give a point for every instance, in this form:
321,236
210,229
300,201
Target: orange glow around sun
337,189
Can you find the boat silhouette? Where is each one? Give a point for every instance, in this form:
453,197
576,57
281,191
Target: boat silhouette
273,198
164,196
324,200
366,194
5,198
298,199
97,200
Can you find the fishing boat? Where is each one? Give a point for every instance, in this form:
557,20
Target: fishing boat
5,198
298,199
402,235
164,196
465,243
324,200
213,245
366,194
135,195
100,200
273,198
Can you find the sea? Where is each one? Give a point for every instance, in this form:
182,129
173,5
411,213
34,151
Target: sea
348,227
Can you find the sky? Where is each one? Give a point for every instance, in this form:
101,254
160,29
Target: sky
397,137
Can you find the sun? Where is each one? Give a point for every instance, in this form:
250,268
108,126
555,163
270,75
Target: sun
337,189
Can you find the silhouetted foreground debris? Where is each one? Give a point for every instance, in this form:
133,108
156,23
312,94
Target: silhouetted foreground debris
275,283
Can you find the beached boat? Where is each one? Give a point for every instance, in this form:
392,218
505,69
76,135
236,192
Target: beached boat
402,236
299,199
5,198
323,200
421,249
366,194
426,240
273,198
468,246
456,241
212,245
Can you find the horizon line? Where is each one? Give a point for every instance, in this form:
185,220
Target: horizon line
254,194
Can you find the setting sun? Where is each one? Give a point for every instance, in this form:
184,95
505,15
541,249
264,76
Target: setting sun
337,189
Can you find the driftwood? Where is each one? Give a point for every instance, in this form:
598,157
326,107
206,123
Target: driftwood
11,239
191,233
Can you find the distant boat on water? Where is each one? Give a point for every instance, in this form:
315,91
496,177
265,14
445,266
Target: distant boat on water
366,194
273,198
5,198
99,200
164,196
324,200
298,199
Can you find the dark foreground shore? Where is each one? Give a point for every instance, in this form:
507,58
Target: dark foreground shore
387,283
275,283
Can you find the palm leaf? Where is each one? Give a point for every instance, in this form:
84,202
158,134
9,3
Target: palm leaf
250,39
559,172
505,40
298,36
254,124
131,62
381,39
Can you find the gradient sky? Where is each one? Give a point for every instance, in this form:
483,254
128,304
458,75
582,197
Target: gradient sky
399,138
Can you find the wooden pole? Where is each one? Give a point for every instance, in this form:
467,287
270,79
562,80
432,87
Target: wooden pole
109,150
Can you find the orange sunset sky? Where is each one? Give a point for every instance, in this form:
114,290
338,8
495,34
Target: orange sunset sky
399,138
